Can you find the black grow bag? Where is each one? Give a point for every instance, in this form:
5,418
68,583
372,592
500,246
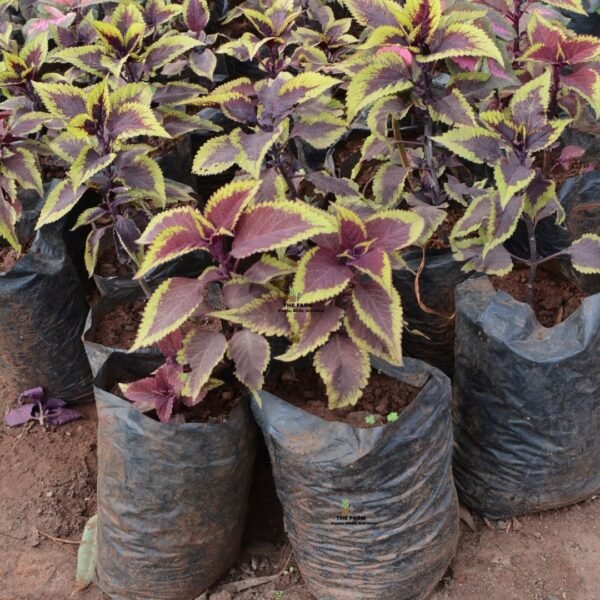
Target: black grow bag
171,498
42,314
432,336
397,477
526,404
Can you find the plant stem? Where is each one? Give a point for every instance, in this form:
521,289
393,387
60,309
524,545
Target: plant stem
429,156
533,258
147,291
428,133
553,104
399,142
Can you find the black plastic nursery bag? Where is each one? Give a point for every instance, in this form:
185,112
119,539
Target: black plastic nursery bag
370,513
172,499
526,404
42,314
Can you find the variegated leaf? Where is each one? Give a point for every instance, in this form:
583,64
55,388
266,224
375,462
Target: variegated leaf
320,323
167,49
273,225
264,316
344,368
268,268
250,353
62,100
215,156
473,143
132,119
320,275
87,164
585,254
202,351
386,74
394,229
226,205
196,14
173,302
60,200
379,310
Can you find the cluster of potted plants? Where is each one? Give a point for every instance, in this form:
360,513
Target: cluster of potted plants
267,207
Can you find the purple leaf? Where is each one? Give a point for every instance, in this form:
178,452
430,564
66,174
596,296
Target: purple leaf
19,416
36,393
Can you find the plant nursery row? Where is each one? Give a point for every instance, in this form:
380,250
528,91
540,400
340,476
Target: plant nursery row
364,233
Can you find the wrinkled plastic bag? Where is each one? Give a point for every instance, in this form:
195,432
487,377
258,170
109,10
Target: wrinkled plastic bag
42,314
526,404
172,498
398,478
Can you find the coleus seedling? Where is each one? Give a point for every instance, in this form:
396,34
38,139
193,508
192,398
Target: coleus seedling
574,62
404,69
509,140
18,169
242,288
21,69
511,18
61,14
269,113
96,142
272,42
162,390
45,411
346,278
133,44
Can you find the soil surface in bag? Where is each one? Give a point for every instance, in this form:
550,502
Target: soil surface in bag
111,327
554,298
42,314
370,512
526,404
432,336
172,498
383,396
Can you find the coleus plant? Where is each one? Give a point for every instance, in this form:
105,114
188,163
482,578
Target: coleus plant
406,68
288,34
61,14
511,18
18,169
509,140
133,44
270,114
573,61
96,142
20,69
244,287
355,311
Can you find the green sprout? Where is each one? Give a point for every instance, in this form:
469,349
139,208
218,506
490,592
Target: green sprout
370,419
393,416
345,504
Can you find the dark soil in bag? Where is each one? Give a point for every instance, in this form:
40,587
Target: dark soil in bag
370,512
432,336
526,404
172,498
42,314
111,327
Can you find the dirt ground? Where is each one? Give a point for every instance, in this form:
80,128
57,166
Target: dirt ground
47,488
